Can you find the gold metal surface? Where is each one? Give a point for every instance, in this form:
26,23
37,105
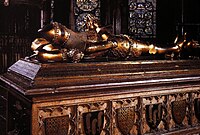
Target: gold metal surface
95,42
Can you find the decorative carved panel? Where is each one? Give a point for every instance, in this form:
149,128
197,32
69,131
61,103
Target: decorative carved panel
57,120
82,8
154,113
166,112
142,18
93,122
125,116
93,118
179,110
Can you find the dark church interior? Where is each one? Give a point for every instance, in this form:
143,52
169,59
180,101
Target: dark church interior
100,92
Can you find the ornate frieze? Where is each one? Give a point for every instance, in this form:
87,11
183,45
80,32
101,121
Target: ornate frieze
131,115
122,116
162,113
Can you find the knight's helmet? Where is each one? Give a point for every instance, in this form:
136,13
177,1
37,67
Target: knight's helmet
55,33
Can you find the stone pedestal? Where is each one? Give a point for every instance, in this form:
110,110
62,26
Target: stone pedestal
113,98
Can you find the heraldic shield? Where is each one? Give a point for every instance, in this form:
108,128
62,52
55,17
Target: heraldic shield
125,119
153,115
197,108
93,122
178,111
57,125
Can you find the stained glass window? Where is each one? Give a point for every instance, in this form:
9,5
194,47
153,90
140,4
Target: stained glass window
82,9
142,18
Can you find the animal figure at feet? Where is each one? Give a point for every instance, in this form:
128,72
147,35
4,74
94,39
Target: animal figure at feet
59,43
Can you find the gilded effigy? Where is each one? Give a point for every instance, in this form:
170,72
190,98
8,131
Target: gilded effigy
59,43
